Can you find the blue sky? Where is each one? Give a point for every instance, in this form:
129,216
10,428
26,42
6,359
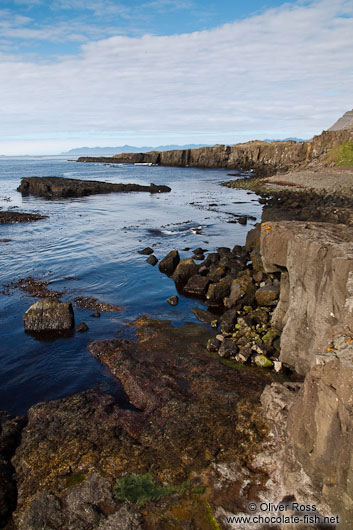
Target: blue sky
102,72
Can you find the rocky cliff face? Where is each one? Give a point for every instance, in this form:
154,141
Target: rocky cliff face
316,302
263,157
314,428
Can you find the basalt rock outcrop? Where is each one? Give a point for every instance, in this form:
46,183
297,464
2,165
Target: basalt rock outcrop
60,187
316,300
264,158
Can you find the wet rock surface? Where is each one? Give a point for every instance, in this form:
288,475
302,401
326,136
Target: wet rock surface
189,413
19,217
49,314
60,187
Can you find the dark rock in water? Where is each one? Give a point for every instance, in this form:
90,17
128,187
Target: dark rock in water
168,264
228,349
152,260
213,345
242,220
146,251
204,316
96,314
228,321
49,314
81,328
60,187
185,269
173,300
197,285
267,295
19,217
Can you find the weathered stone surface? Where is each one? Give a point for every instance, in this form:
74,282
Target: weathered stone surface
185,269
316,300
228,349
168,264
227,320
320,431
242,292
267,295
49,314
197,285
60,187
218,291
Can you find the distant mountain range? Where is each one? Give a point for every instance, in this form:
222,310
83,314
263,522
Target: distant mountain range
128,149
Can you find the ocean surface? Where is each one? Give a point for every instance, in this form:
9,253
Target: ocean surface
95,240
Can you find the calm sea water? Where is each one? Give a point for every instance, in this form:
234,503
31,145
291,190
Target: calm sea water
95,240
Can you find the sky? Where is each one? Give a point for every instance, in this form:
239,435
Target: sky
79,73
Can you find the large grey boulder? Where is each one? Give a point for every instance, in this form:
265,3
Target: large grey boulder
49,314
316,299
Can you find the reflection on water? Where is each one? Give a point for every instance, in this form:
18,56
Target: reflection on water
95,240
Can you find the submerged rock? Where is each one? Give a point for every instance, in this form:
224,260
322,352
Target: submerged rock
173,300
49,314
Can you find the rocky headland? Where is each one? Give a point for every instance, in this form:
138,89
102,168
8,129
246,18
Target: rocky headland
256,407
60,187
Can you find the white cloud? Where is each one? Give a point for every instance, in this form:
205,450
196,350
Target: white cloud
288,71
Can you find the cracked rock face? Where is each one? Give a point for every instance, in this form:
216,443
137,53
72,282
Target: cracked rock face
49,314
316,301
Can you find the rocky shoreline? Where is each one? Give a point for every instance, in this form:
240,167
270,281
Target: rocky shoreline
217,418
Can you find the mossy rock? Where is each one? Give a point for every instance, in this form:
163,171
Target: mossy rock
263,361
139,489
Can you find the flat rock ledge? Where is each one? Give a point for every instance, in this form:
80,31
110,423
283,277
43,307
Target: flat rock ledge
60,187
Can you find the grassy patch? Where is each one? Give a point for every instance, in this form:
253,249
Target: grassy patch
342,154
139,489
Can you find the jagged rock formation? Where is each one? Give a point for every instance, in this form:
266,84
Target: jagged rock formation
60,187
345,122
